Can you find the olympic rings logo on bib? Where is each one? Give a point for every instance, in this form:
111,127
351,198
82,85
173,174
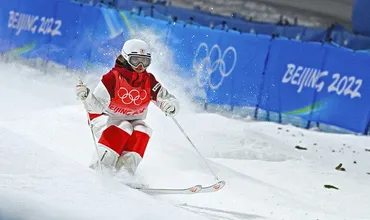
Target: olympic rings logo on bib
134,96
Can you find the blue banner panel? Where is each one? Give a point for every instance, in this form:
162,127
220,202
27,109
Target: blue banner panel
344,99
189,46
247,77
293,74
84,42
228,66
110,28
26,26
196,49
20,20
64,30
215,64
7,26
34,24
106,37
235,69
102,31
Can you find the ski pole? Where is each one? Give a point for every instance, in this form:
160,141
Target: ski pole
93,135
196,149
96,146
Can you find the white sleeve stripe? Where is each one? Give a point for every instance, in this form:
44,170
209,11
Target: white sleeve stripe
102,94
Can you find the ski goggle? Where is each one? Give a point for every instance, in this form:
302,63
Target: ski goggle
136,60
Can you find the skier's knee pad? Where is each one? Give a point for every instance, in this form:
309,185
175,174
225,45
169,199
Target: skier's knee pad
125,126
141,126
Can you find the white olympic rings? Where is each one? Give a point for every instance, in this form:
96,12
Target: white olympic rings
134,96
205,68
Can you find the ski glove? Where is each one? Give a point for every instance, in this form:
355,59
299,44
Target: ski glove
82,91
170,107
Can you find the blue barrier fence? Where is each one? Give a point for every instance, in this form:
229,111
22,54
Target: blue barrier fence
361,17
335,33
292,79
197,16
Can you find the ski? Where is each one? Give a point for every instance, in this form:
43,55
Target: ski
191,190
214,187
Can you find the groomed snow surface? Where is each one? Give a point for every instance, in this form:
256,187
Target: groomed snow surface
46,147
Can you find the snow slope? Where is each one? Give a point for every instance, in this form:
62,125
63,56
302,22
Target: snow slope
46,147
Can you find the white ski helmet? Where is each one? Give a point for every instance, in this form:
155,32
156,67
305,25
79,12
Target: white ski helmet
136,52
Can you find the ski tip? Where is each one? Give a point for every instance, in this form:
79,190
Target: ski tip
219,185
